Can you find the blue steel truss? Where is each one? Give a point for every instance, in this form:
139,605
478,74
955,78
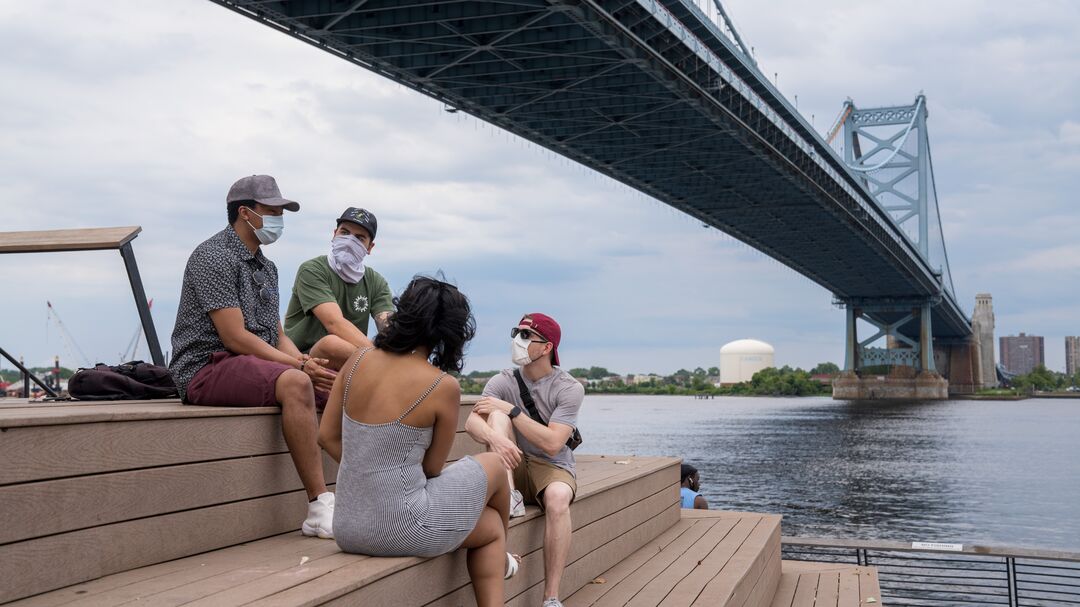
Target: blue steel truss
651,93
890,148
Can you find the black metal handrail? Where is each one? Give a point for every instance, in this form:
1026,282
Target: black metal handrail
968,575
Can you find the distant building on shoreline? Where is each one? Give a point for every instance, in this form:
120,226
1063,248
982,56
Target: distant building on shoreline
742,358
1072,355
1022,353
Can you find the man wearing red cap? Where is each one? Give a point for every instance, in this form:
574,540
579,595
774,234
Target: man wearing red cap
538,459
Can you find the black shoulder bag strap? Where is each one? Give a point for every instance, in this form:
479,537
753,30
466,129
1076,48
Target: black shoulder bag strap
530,407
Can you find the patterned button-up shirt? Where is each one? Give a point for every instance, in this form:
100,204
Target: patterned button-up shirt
221,273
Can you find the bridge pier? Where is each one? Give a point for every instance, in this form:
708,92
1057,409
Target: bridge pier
912,373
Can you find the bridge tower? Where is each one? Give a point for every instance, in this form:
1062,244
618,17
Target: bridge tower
888,150
983,324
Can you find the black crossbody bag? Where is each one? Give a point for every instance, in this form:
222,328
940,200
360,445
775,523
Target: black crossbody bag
530,407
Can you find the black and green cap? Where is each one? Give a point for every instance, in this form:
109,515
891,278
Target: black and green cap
361,217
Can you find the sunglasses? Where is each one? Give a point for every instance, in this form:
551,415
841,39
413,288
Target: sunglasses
528,334
260,278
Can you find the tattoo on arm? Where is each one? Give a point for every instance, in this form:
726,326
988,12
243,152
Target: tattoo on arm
382,319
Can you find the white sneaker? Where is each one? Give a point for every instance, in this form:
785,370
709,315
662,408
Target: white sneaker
320,517
517,504
552,602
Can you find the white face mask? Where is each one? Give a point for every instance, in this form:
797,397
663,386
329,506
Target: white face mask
519,351
346,258
273,226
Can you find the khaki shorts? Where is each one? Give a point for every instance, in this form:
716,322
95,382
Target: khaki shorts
533,475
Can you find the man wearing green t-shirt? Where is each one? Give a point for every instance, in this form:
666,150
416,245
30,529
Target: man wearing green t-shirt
335,295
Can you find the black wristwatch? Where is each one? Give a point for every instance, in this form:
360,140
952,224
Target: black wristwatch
516,411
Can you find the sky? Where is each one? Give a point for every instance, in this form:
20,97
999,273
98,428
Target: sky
144,112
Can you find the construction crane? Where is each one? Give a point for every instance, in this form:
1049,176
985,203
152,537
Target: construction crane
70,344
129,353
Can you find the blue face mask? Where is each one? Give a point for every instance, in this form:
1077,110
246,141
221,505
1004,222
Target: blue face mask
273,226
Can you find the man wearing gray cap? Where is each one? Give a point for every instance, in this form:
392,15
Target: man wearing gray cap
335,295
229,348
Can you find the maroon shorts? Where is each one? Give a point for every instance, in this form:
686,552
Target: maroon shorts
239,380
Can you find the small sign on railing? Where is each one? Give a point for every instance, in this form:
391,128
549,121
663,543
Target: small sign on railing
937,546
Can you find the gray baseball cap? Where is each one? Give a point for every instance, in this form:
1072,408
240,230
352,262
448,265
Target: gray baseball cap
263,190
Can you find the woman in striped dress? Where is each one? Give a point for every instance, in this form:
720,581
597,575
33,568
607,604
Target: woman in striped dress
390,421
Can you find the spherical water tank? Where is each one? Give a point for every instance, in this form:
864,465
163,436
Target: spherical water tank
742,358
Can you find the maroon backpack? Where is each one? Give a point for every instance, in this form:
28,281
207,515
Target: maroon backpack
133,380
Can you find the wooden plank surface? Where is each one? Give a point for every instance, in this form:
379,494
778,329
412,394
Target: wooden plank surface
46,452
117,411
709,558
58,506
625,591
43,564
588,539
810,584
368,583
47,507
869,587
118,588
765,586
582,571
741,572
23,414
670,543
140,435
77,239
605,486
785,590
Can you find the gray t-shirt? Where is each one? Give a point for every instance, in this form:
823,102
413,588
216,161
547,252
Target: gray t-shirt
558,398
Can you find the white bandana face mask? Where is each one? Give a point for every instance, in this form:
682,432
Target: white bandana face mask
346,258
519,351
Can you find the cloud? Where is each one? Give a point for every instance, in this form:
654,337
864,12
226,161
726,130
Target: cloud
1065,258
144,111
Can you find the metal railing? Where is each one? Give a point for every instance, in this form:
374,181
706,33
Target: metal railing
911,574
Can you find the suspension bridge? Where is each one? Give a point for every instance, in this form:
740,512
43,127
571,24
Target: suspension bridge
665,97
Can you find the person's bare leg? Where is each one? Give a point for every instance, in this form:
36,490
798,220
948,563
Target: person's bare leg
301,429
486,558
334,349
487,543
502,424
557,533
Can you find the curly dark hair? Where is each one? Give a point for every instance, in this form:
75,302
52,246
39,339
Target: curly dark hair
431,314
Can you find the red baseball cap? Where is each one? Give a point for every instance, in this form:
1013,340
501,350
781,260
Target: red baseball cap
546,327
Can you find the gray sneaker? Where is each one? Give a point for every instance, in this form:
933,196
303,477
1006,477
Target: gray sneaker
552,602
517,505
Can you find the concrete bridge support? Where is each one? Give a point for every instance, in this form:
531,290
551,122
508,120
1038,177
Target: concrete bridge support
961,363
913,374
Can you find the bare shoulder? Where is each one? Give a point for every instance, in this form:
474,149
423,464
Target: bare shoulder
449,387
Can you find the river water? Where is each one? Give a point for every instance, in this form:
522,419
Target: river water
970,472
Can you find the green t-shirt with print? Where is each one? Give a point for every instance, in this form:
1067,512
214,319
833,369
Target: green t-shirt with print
317,284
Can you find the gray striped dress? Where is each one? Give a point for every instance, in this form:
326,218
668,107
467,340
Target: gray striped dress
385,505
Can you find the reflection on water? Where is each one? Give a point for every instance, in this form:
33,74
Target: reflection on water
1002,473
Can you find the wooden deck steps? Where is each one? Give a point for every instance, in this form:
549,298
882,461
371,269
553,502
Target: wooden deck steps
721,559
622,504
95,488
167,504
804,584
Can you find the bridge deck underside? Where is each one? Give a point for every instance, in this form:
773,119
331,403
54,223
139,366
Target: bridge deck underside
608,84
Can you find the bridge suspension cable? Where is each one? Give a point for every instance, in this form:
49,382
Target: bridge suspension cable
734,33
899,146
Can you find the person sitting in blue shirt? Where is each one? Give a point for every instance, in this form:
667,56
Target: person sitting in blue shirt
691,484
